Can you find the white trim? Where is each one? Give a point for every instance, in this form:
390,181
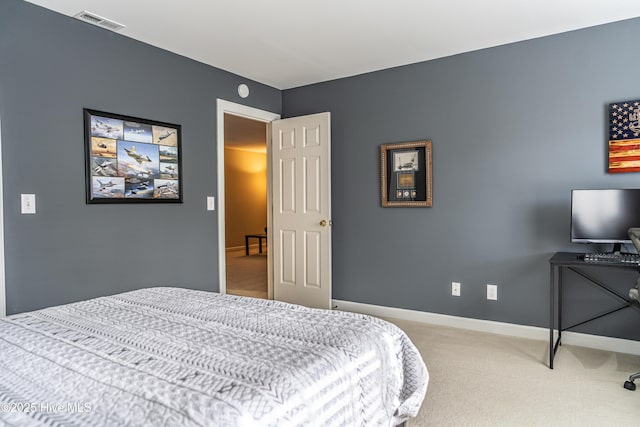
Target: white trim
254,114
3,298
252,246
617,345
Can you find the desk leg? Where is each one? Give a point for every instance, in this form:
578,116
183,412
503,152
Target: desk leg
260,243
246,245
556,272
551,312
559,307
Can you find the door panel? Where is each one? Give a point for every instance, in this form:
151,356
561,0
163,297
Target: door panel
286,138
301,162
312,137
287,257
312,247
311,180
287,182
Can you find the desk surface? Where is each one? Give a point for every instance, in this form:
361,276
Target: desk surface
575,258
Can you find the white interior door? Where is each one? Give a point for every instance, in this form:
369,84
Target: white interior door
301,191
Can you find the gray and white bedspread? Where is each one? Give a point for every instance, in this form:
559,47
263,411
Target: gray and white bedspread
178,357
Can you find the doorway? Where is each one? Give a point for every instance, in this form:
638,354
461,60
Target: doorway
225,108
245,177
298,204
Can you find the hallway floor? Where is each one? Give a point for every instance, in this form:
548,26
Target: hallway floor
247,275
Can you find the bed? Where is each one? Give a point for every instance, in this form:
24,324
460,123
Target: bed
178,357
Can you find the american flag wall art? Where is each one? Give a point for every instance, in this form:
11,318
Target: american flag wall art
624,137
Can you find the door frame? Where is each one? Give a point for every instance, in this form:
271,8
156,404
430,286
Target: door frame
252,113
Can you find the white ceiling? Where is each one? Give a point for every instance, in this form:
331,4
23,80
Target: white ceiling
290,43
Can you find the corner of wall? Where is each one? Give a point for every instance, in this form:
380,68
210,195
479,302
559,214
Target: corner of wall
3,304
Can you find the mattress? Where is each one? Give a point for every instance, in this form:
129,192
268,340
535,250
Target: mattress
179,357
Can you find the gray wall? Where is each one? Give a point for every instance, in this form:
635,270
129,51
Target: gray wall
514,129
51,67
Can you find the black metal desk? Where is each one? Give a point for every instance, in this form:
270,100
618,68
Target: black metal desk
573,261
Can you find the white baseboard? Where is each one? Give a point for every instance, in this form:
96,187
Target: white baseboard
242,248
532,332
235,248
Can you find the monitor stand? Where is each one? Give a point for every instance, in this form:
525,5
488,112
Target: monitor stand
617,250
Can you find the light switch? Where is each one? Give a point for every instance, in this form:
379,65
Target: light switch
211,203
28,203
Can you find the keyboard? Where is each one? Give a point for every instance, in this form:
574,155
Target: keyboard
612,258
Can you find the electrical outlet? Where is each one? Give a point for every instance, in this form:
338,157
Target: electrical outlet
455,289
492,292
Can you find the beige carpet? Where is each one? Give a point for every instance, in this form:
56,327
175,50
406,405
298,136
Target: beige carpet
247,275
480,379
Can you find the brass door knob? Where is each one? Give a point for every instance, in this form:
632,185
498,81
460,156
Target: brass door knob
324,223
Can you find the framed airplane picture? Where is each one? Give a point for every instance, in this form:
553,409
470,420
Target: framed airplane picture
131,160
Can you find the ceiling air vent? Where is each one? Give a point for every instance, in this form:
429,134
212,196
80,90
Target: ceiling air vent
98,20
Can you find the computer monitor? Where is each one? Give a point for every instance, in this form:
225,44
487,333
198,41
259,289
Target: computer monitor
604,216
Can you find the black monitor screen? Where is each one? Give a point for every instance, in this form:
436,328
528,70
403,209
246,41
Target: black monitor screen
604,216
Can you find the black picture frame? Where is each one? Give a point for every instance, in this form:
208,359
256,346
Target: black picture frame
406,178
131,160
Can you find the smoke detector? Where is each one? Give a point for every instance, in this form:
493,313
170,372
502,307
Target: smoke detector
98,20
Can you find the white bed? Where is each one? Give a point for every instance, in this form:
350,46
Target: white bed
178,357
